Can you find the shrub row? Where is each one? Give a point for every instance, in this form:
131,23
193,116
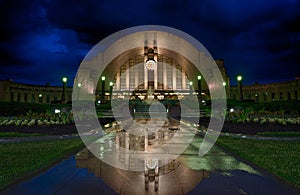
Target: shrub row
21,108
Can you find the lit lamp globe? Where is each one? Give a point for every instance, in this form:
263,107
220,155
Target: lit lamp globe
64,79
239,78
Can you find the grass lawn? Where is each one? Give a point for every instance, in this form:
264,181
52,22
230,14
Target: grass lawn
280,134
20,159
278,157
17,134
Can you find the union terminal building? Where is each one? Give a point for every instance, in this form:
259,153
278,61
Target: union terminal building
164,77
132,79
150,84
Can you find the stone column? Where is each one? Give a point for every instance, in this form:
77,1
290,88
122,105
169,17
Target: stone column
136,75
174,76
127,76
165,76
145,78
155,78
183,80
118,81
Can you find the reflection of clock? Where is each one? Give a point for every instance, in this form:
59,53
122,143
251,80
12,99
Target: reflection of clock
150,65
151,164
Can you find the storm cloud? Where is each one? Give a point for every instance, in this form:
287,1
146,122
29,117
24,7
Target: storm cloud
41,41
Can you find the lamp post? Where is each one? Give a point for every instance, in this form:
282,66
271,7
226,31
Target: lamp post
78,89
63,96
199,87
224,84
240,88
40,98
110,89
103,88
191,85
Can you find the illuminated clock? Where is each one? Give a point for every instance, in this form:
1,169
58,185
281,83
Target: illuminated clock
151,65
151,164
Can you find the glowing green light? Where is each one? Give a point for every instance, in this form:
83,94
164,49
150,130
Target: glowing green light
239,78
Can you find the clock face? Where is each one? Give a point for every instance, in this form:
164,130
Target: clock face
151,65
151,164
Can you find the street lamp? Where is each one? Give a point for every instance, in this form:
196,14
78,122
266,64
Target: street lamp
191,84
240,88
64,79
40,98
111,84
103,88
199,86
224,84
63,95
239,78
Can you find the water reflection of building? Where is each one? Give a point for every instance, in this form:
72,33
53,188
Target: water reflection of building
143,159
173,178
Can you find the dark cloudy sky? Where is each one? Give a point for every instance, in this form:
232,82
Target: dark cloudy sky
41,41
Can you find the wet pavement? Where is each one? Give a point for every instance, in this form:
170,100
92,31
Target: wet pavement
188,173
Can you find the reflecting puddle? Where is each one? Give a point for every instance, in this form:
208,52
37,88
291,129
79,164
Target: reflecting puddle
179,176
216,172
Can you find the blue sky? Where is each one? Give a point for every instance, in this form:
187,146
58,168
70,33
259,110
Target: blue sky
41,41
